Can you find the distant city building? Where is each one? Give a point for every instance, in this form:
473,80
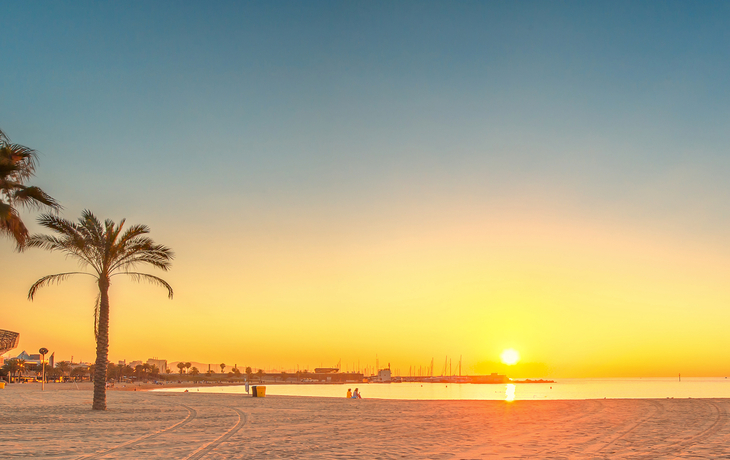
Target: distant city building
134,364
384,375
491,378
29,359
160,363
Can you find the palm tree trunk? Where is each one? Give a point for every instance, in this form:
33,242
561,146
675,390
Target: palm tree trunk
102,347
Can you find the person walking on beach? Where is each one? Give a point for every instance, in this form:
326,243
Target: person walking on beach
349,393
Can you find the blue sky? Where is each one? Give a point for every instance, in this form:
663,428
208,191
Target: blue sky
322,97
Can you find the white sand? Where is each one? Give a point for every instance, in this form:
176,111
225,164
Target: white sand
59,423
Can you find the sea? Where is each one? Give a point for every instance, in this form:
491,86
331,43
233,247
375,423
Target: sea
692,387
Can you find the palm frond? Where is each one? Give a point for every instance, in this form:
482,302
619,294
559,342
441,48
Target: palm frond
146,258
144,250
90,227
73,240
35,197
7,169
66,245
58,224
139,277
47,242
51,279
23,157
12,225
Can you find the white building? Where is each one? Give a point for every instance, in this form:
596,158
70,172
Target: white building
160,363
384,375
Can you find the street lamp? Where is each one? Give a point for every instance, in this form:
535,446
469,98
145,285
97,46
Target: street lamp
43,352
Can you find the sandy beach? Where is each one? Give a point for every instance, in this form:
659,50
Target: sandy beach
59,423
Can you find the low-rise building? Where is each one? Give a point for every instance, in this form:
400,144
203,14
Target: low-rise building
383,375
160,363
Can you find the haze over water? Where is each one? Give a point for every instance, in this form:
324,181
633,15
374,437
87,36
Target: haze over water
561,389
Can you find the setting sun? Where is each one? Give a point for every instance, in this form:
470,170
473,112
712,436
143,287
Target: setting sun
510,356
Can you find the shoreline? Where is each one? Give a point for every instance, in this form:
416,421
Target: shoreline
158,425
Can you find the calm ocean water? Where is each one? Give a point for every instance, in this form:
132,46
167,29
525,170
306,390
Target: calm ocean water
561,389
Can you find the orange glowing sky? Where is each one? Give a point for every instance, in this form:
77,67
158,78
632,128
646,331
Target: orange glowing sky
409,184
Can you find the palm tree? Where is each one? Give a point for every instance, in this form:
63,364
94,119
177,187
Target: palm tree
181,366
194,371
112,371
64,367
223,367
20,367
187,367
17,165
109,252
53,374
79,372
12,366
127,371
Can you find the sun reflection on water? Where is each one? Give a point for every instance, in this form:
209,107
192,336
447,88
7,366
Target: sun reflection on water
509,392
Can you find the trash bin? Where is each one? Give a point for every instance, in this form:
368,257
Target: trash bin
258,391
2,385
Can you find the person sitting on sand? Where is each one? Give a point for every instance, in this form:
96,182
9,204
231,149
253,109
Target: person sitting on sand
349,393
356,394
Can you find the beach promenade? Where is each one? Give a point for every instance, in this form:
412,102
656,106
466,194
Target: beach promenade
59,423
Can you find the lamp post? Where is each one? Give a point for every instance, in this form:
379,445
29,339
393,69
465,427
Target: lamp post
43,352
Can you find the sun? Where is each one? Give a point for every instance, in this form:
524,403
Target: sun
510,356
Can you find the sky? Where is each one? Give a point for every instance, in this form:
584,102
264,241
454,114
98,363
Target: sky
400,181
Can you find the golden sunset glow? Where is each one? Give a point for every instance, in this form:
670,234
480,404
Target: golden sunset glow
509,392
510,357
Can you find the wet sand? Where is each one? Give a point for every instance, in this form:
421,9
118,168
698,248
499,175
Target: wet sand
59,423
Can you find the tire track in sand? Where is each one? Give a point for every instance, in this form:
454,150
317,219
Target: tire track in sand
204,450
658,408
679,446
574,418
477,448
192,413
